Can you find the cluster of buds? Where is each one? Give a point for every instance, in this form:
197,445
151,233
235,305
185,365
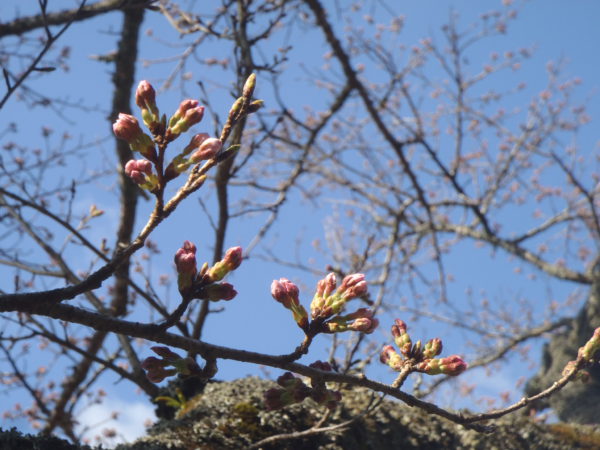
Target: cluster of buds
327,304
156,369
295,390
188,114
204,283
589,354
329,301
200,148
418,358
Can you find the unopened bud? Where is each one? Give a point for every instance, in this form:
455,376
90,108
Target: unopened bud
207,150
451,365
249,86
390,357
145,98
285,292
188,114
219,291
433,347
138,170
353,286
230,262
401,337
127,128
364,325
195,142
185,261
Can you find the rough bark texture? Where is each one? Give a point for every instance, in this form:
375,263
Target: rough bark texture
577,402
231,415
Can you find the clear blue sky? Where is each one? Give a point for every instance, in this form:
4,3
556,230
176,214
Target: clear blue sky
556,29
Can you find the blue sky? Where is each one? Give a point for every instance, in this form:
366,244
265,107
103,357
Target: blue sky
555,29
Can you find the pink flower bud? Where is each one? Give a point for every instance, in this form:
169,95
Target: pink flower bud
390,357
219,291
184,106
233,258
185,258
353,286
138,169
285,292
127,128
453,365
327,285
364,325
188,114
145,96
207,150
195,142
230,262
401,337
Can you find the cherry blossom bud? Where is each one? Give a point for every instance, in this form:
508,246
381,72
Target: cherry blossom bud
184,106
138,170
188,114
207,150
127,128
185,258
390,357
145,96
364,325
195,142
230,262
285,292
353,286
320,306
219,291
401,337
185,261
451,365
433,347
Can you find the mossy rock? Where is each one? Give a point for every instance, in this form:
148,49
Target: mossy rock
231,415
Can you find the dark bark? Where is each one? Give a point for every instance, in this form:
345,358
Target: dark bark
578,402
